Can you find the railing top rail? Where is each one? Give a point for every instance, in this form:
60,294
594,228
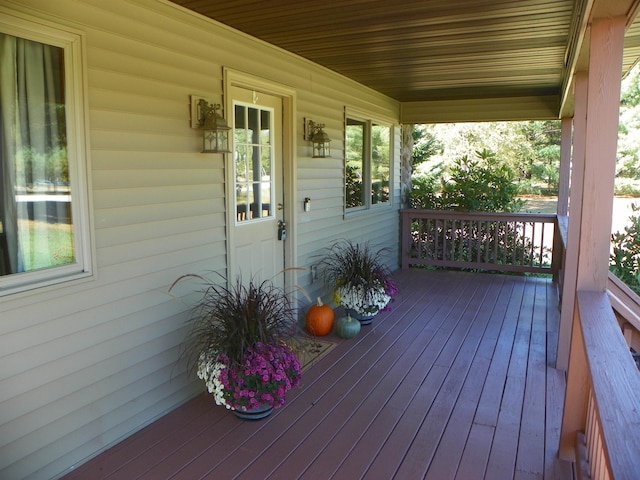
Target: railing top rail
624,301
563,227
451,214
616,383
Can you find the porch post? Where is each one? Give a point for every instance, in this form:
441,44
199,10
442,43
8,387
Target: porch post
596,203
581,81
603,111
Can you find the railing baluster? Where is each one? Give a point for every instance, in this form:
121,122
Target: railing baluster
452,250
444,239
505,246
533,243
541,253
486,236
433,230
473,240
440,226
497,251
525,247
523,241
464,234
515,248
454,240
417,236
435,238
591,431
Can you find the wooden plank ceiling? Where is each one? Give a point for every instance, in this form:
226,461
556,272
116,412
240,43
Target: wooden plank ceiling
424,50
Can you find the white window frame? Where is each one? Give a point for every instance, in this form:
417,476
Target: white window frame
72,42
369,122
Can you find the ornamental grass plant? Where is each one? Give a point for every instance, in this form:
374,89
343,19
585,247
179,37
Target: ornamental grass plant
238,342
359,277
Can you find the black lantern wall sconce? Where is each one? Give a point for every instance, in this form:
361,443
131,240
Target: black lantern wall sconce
215,131
318,138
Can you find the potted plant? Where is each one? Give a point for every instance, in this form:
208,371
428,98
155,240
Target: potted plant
361,282
237,346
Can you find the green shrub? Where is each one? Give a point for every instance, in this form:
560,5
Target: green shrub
481,184
526,187
625,259
424,193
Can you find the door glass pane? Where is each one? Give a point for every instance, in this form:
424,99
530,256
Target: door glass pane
253,153
241,164
241,172
354,163
380,163
265,131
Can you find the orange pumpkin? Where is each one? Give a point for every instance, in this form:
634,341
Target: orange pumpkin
319,319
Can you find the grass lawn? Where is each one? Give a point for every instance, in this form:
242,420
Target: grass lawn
45,244
621,209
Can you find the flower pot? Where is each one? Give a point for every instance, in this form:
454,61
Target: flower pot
257,413
364,319
266,373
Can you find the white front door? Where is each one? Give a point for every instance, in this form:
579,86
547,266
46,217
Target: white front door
256,188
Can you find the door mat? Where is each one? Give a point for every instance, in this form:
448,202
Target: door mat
310,350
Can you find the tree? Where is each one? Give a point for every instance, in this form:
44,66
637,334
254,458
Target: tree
425,145
542,160
531,149
628,164
625,259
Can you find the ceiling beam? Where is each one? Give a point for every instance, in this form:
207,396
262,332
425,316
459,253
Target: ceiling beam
577,55
577,33
537,107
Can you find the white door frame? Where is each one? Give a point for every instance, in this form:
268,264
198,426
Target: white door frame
244,80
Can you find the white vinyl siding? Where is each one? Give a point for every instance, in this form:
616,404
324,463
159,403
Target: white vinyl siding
86,364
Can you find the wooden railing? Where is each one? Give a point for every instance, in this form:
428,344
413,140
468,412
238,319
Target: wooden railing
506,242
626,306
601,420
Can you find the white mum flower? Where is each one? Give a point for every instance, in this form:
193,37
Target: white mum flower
210,373
364,302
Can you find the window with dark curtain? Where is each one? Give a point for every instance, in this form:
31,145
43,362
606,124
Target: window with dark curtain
36,228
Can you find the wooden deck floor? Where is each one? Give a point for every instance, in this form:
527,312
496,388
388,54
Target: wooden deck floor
456,382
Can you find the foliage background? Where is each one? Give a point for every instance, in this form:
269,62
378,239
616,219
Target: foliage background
531,150
487,166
